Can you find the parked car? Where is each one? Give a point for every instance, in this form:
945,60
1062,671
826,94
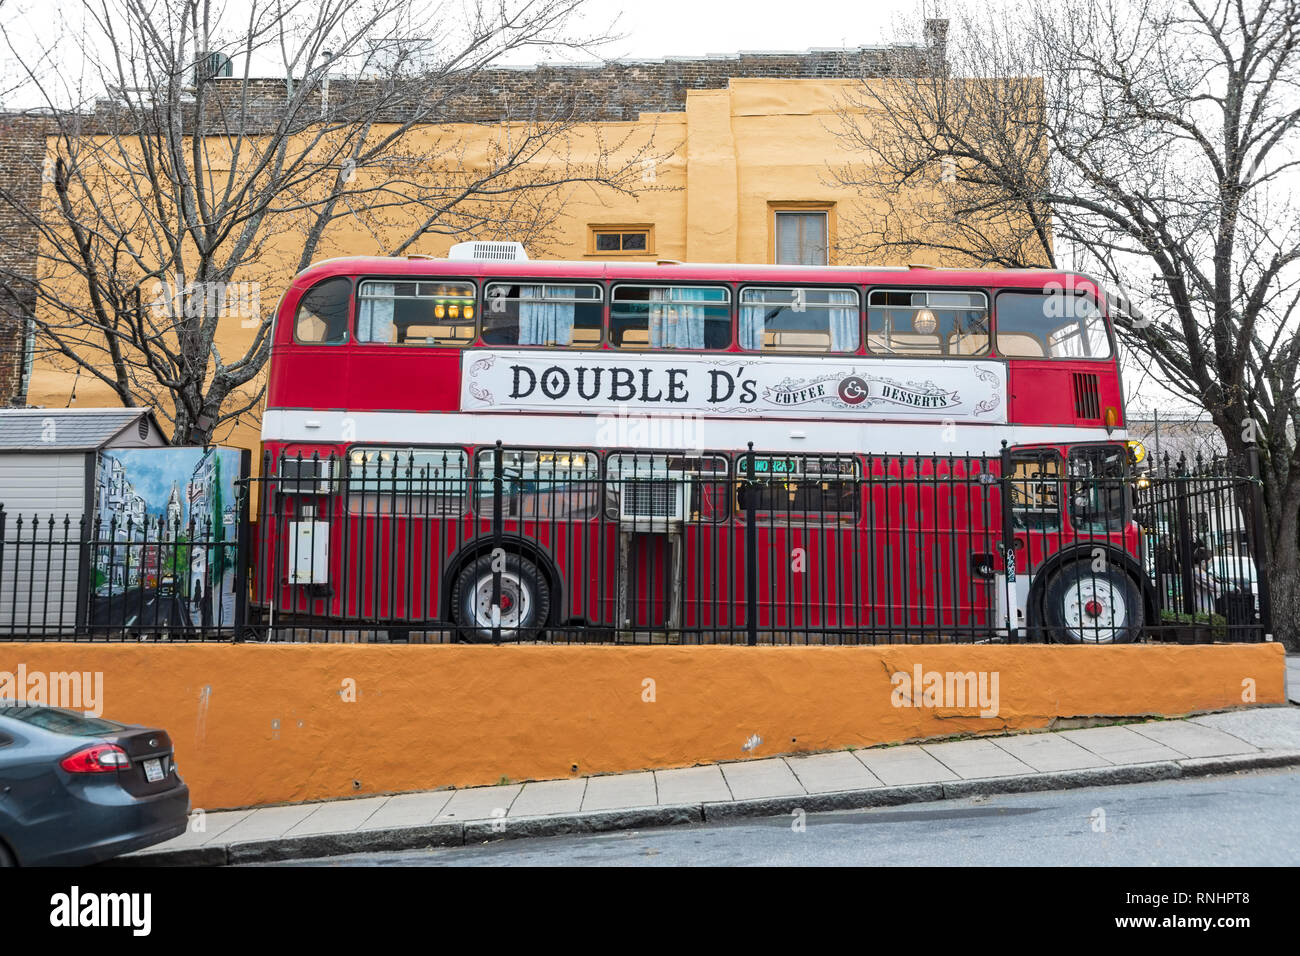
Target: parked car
76,789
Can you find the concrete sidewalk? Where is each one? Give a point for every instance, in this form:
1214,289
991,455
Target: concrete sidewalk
880,776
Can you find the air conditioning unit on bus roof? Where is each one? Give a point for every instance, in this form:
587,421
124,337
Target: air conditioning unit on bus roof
489,251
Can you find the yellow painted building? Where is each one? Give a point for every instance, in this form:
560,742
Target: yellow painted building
739,169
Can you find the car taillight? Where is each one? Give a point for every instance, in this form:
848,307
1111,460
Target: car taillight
101,758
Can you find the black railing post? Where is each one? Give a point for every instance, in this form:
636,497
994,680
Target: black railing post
1009,545
1183,520
498,529
751,552
1259,530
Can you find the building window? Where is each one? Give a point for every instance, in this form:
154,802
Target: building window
802,237
621,240
416,313
555,315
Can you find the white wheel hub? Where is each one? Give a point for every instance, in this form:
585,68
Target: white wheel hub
516,601
1095,611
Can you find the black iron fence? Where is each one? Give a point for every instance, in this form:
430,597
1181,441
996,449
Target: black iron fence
578,545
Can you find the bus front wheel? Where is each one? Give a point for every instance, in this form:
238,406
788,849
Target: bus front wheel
524,604
1085,606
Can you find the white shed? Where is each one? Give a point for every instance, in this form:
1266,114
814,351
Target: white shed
48,460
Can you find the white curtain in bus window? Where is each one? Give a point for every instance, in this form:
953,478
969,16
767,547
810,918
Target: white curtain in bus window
673,323
916,322
375,316
557,315
1051,325
671,317
543,321
799,320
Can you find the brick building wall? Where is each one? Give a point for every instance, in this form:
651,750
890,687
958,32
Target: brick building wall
22,151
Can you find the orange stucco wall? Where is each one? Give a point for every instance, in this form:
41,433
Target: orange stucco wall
256,724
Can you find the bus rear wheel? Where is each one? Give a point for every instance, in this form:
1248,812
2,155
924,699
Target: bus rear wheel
1084,606
524,605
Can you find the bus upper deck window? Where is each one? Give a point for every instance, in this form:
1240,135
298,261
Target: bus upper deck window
919,322
542,314
322,317
424,312
799,320
670,317
1050,325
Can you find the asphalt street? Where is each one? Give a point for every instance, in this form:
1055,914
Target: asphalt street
1245,819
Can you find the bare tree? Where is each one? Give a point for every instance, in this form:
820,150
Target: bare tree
168,198
1153,139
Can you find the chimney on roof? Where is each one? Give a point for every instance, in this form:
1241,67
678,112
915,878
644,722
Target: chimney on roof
936,36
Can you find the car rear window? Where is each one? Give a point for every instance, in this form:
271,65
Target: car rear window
59,721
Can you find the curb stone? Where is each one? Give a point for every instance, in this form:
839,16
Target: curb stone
1205,766
593,821
863,799
1063,779
635,818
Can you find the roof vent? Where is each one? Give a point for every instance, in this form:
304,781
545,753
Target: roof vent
489,251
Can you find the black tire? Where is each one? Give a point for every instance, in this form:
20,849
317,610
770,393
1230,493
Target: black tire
1083,606
525,600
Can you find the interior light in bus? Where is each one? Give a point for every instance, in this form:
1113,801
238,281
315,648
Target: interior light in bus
469,311
925,322
453,311
439,311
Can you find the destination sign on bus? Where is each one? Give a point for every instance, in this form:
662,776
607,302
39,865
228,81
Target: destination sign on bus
734,386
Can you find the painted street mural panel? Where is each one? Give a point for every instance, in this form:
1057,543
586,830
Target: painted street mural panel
165,540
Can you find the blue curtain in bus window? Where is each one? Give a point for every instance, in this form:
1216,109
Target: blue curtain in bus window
676,326
546,323
752,324
375,319
843,322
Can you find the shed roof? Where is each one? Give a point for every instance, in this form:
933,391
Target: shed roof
78,429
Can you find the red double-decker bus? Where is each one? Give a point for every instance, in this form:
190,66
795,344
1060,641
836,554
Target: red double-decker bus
503,446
